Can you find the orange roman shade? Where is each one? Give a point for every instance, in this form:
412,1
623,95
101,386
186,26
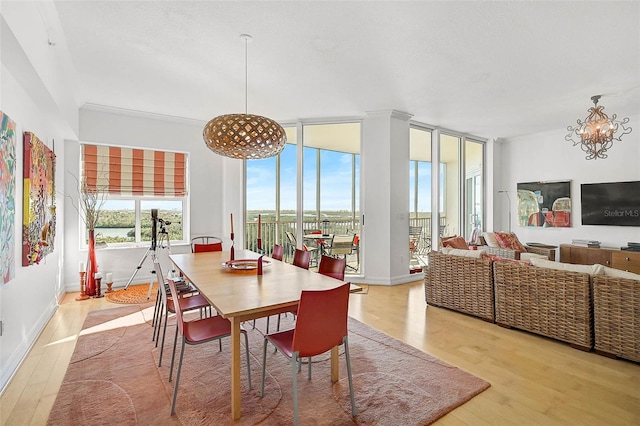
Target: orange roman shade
134,172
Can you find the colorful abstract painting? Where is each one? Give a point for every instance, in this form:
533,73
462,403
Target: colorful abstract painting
39,218
7,197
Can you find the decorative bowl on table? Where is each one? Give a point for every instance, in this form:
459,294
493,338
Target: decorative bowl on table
245,264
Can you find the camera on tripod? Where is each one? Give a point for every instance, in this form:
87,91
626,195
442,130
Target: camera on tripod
155,220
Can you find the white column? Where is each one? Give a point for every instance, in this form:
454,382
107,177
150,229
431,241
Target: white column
385,197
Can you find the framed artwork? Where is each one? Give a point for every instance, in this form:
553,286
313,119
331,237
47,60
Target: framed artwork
39,217
544,204
7,197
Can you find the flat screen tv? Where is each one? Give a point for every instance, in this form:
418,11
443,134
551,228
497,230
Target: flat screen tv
613,203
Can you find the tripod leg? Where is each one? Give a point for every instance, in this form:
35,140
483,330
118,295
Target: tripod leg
138,268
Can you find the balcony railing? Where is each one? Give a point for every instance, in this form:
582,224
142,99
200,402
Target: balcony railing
275,232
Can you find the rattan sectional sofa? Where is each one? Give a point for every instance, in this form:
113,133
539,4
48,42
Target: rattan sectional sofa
616,306
461,283
549,302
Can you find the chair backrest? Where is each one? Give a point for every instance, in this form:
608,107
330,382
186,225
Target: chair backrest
332,267
205,243
163,288
278,252
356,241
291,238
342,244
415,231
176,304
301,258
321,322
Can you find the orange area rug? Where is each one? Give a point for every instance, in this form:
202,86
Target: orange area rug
133,295
114,378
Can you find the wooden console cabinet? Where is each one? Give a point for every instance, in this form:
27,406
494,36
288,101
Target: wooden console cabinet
615,258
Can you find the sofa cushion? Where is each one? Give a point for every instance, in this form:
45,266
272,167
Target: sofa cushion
490,239
550,264
528,256
476,254
455,242
509,241
619,273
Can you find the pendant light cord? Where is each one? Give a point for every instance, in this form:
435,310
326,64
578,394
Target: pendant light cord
246,74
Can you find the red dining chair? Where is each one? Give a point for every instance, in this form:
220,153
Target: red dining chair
301,258
205,243
278,252
168,305
196,332
332,267
321,326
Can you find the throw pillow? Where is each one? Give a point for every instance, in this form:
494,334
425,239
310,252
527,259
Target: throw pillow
509,241
455,242
490,239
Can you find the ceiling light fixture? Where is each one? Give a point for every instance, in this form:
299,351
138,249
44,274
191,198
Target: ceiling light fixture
244,136
597,132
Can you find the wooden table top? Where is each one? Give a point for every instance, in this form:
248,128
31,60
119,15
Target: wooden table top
238,293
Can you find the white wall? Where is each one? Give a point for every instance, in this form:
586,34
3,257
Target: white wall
210,200
29,95
548,157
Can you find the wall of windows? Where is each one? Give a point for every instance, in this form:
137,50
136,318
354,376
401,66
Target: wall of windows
461,206
330,186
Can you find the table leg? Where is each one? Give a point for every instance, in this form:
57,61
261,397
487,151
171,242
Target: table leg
335,372
236,411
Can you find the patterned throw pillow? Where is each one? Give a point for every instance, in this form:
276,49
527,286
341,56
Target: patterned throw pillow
455,242
490,239
510,242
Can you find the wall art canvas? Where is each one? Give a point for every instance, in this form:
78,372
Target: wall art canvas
7,197
39,218
544,204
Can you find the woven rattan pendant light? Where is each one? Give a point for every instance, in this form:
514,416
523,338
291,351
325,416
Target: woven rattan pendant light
244,136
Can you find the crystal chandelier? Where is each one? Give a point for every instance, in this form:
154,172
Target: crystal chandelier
244,136
597,132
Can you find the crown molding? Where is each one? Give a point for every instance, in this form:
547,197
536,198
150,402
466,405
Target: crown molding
140,114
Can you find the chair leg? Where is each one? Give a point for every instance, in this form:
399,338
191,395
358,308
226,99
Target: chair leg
164,333
156,327
175,386
264,366
294,367
348,360
246,345
309,367
173,355
156,309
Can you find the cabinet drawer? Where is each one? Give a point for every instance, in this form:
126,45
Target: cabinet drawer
625,260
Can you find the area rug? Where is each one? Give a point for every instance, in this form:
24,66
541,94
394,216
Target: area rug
113,378
133,295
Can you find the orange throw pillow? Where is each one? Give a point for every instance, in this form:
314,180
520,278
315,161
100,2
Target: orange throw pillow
455,242
510,242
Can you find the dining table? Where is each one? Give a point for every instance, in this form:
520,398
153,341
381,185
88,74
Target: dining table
239,293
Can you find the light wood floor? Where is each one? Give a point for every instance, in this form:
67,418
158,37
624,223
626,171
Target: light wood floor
534,380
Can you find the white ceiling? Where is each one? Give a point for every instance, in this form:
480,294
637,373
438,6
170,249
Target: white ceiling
490,69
